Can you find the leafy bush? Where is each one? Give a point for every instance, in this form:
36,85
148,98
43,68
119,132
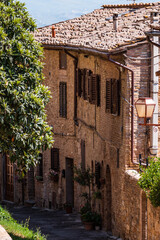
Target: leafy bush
85,208
150,181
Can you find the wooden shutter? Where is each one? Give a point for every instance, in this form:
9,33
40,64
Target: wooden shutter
63,99
62,60
97,174
114,97
94,89
108,95
98,91
83,155
55,159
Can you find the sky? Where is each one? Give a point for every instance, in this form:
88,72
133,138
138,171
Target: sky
47,12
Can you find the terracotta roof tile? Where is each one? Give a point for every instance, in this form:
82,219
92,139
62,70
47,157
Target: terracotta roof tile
95,30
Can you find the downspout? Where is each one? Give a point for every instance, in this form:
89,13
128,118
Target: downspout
75,85
154,87
132,104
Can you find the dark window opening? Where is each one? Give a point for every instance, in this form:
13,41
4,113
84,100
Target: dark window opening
55,159
62,60
63,99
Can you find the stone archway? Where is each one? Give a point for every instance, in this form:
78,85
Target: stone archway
108,201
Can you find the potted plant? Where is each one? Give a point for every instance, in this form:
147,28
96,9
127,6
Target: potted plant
97,195
97,220
68,207
88,220
54,175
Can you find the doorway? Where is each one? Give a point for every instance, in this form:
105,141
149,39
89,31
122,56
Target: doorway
69,181
31,184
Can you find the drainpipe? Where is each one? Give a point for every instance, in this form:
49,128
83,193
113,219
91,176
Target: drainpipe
132,102
154,87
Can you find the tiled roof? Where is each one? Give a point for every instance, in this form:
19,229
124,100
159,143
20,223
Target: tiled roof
95,30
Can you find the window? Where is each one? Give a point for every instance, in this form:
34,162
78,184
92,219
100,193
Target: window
63,99
62,60
40,166
113,96
88,86
83,155
55,159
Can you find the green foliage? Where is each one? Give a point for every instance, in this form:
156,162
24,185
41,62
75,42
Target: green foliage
24,131
150,181
86,208
83,177
16,230
88,216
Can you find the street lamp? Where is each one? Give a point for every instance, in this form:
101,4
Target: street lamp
145,107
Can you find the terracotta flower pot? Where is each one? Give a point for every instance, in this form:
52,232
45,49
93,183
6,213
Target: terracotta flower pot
88,226
68,209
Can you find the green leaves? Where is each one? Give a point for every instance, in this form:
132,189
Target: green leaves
150,181
24,132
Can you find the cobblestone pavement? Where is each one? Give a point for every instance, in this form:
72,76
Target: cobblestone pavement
56,225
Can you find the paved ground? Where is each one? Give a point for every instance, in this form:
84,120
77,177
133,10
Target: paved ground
57,225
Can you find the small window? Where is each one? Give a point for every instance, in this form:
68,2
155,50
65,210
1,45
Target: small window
63,99
55,159
40,165
62,60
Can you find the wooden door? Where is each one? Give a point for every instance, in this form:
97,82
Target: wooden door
9,185
31,184
69,181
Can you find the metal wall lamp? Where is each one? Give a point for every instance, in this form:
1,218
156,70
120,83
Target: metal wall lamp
145,107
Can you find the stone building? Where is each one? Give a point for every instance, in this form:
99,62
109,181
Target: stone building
96,66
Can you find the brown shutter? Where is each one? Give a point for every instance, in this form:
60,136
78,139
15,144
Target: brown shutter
55,159
63,99
108,95
90,88
62,60
40,165
98,91
114,98
97,174
94,89
60,100
84,84
83,155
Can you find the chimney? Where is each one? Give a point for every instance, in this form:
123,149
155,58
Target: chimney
115,21
53,32
154,16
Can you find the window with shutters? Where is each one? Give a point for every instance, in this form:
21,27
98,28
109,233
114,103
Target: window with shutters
113,96
55,159
97,174
62,60
63,99
40,165
83,155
